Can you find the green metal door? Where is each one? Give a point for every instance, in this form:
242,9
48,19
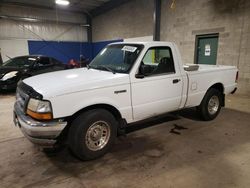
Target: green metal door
207,49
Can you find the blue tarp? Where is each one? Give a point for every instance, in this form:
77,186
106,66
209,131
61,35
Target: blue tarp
65,51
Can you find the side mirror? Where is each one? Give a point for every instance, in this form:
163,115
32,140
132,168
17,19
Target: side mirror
140,76
141,72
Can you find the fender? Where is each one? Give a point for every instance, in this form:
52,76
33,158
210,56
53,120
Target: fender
68,105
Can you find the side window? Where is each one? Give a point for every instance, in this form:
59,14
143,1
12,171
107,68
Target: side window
43,61
158,60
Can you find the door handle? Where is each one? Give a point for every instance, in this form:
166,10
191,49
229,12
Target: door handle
176,81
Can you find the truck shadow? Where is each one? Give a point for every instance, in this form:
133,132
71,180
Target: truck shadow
190,113
121,143
150,122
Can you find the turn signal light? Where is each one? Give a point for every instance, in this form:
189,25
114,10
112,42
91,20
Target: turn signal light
39,116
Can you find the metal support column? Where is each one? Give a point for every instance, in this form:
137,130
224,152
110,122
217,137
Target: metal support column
89,28
157,19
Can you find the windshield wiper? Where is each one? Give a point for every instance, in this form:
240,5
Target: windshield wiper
108,69
101,68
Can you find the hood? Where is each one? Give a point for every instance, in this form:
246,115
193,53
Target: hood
74,80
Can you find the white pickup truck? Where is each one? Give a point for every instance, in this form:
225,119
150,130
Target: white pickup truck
125,83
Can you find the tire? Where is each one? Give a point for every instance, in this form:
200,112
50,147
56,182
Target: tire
92,134
211,104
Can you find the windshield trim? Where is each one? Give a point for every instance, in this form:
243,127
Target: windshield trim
31,62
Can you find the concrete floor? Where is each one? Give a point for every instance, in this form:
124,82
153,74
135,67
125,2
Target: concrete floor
177,150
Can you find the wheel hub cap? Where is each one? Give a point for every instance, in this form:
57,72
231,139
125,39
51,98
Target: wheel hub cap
213,105
98,135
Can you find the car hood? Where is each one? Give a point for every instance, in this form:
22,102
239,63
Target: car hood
75,80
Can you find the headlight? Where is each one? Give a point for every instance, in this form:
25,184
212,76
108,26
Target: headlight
9,75
39,109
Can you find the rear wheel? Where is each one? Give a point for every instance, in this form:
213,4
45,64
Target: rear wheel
92,134
211,104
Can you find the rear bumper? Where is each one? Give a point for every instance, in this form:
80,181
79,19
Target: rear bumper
41,133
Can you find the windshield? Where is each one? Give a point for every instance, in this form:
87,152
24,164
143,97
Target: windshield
20,62
117,58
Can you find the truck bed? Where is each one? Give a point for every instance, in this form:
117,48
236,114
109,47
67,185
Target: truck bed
203,77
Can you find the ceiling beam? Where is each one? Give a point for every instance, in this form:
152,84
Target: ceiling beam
109,5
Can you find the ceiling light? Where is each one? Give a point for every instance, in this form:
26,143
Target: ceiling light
62,2
30,19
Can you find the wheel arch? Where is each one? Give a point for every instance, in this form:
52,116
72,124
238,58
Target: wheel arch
107,107
220,87
113,110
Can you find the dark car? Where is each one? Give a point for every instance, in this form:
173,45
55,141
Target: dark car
23,67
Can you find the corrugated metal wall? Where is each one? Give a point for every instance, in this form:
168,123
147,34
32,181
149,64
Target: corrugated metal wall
64,28
52,25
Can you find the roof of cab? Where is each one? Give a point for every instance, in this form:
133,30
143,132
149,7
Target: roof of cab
146,43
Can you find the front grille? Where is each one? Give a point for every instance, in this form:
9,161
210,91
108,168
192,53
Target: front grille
22,99
23,93
29,90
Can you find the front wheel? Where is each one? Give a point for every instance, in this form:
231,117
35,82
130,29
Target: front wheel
211,104
92,134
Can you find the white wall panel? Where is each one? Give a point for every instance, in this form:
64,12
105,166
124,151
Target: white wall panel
13,48
11,29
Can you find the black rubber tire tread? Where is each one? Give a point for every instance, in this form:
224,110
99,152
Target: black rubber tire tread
79,129
203,108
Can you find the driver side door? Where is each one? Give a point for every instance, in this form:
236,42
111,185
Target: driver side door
158,88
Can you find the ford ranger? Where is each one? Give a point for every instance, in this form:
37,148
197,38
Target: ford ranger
125,83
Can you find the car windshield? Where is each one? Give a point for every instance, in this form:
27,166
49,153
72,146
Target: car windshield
20,62
117,58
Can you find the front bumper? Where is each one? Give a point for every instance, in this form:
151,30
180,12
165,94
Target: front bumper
41,133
